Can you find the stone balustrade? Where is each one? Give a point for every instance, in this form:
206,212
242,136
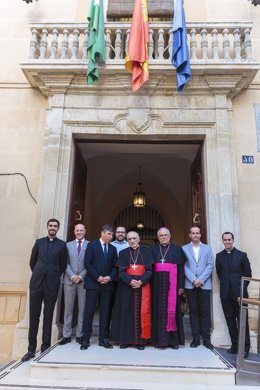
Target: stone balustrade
208,42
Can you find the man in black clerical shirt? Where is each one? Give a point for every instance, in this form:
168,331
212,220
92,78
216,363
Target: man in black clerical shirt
231,265
48,261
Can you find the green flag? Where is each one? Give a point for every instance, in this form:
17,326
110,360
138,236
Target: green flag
96,40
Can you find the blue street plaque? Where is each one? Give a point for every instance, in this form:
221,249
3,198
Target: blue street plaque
248,159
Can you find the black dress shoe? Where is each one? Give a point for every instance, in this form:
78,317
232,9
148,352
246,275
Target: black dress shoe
28,356
246,354
106,344
232,351
64,341
140,347
175,346
124,346
79,340
208,344
85,345
195,343
44,348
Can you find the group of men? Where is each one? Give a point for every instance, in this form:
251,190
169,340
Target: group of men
137,289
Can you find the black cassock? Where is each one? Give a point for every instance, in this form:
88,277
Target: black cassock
160,287
126,317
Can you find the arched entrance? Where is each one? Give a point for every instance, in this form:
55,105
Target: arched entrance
106,174
145,220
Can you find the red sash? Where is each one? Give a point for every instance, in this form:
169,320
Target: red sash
139,270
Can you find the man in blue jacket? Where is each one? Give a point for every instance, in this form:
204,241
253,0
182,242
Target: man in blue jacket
198,284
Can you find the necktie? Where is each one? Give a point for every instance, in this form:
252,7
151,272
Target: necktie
105,250
79,247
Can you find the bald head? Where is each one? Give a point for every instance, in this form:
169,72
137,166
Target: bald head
79,231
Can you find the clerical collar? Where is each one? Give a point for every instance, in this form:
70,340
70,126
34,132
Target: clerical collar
134,249
51,239
228,252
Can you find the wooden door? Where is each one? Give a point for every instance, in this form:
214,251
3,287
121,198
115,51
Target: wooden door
77,200
198,195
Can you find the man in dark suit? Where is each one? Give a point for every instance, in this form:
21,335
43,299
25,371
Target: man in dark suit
231,265
48,261
100,261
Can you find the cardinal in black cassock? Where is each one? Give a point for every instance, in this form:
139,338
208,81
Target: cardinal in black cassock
131,318
167,287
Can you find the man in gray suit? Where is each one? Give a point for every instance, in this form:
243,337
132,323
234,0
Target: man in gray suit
73,284
198,284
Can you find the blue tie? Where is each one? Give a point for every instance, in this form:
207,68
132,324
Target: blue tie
105,250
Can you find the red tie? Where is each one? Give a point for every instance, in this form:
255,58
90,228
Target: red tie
79,247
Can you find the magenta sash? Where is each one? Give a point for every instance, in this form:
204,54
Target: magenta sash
172,293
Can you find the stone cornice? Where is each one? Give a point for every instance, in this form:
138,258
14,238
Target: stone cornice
66,77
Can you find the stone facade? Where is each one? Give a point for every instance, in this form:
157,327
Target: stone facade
49,106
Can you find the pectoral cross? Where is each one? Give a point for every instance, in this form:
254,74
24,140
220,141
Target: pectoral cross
162,260
134,266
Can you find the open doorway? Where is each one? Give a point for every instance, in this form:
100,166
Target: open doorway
106,174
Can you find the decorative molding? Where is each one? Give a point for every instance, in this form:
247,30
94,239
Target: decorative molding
138,121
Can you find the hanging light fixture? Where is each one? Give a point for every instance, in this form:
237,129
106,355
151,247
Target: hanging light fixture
140,225
139,195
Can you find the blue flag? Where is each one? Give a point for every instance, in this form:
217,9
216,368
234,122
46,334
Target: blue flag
180,50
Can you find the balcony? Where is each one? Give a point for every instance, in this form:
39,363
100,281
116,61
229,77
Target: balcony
221,58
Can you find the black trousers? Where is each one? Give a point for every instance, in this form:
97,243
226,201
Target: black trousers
104,299
199,312
231,311
41,295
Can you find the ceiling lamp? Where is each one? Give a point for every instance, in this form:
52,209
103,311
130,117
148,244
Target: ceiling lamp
140,225
139,195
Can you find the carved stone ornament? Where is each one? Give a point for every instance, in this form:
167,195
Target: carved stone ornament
137,121
124,9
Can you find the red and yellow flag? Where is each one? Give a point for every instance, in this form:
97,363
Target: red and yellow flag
136,61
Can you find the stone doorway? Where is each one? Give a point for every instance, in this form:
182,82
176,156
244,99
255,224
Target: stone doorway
106,184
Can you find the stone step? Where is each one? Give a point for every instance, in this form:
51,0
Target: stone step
67,367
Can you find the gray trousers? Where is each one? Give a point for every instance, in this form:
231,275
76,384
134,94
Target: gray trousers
70,292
